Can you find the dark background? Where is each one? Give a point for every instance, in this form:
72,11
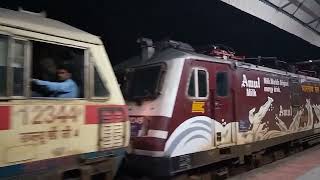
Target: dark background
119,23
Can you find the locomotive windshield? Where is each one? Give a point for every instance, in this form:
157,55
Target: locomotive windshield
143,82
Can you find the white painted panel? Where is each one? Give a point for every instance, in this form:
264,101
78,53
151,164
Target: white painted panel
21,153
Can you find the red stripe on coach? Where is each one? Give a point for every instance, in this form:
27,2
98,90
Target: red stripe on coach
106,114
92,115
4,117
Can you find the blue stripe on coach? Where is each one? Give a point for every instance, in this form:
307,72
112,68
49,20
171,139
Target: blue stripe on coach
11,170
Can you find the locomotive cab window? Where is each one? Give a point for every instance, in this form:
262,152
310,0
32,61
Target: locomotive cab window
58,71
222,84
198,83
143,82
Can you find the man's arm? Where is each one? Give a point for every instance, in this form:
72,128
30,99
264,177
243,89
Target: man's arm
54,86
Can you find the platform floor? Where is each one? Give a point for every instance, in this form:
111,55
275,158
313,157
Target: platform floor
301,166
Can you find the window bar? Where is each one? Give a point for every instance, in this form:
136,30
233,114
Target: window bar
27,69
91,65
9,67
196,83
87,74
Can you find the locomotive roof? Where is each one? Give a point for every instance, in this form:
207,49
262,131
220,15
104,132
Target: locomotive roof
37,23
167,55
170,54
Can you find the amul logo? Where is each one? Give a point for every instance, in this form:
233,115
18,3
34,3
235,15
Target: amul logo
250,85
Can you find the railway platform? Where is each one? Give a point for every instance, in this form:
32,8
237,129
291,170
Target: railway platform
304,165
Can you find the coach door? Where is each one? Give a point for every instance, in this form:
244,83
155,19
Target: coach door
221,95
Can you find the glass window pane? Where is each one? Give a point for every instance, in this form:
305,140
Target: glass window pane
3,65
18,68
3,51
19,48
191,89
99,88
18,81
18,53
202,81
222,84
3,75
145,82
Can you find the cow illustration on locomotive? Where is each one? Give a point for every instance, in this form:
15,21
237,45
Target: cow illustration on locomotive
72,127
192,108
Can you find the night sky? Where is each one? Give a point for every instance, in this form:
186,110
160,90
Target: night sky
120,23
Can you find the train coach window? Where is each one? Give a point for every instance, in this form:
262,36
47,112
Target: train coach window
3,65
198,83
222,84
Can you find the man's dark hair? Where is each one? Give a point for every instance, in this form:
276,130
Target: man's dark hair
65,67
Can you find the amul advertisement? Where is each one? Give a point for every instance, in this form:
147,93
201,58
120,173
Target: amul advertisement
275,105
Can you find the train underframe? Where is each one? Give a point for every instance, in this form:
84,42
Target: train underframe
219,163
102,165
